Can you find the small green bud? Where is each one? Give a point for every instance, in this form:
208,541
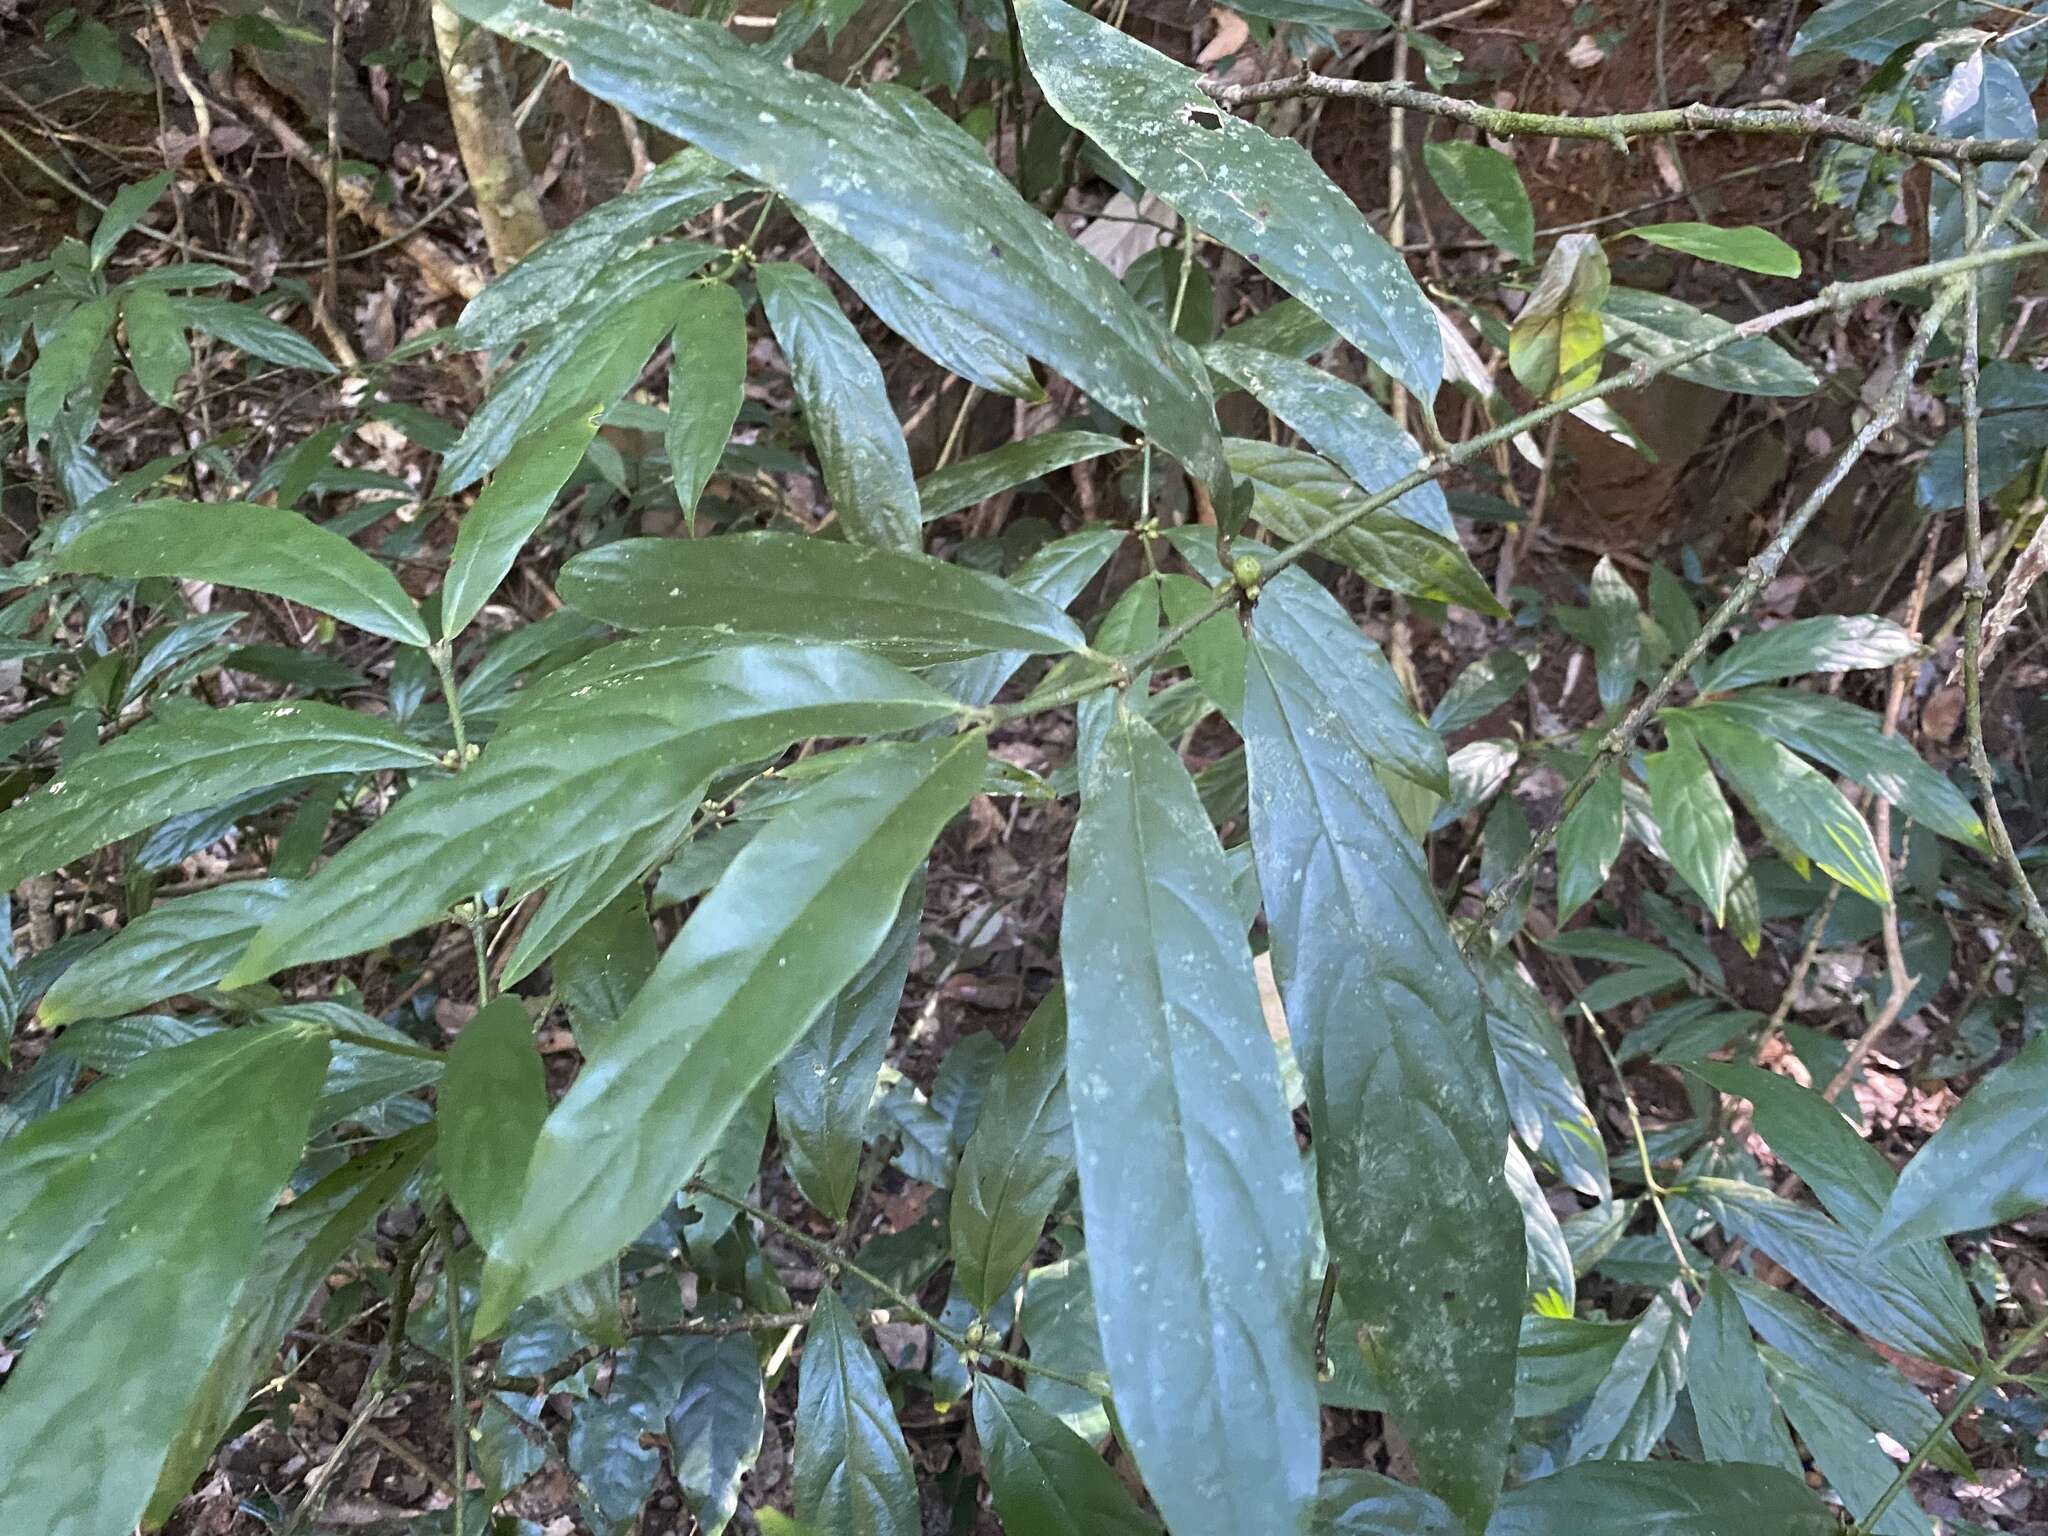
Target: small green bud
1247,571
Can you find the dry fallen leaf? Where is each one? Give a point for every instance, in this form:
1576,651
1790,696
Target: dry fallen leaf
1231,35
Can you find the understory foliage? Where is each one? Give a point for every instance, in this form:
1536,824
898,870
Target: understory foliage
673,842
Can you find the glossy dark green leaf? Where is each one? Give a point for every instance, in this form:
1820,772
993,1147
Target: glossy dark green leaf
853,1471
1388,1025
1057,1320
1358,1503
1486,189
1831,642
171,1167
64,362
907,606
1552,1283
124,211
196,759
1340,421
846,409
246,328
1545,1102
176,946
1057,573
156,343
1634,1401
1886,1298
1651,326
492,1100
1663,1498
1337,15
1015,1164
603,966
1846,1451
615,1470
578,895
1615,625
1588,843
1803,804
714,1430
706,384
1743,245
1725,1380
1561,1360
1296,494
301,1246
240,544
1262,196
1191,1185
556,275
1692,816
824,1085
973,481
1046,1479
1987,1165
797,915
1479,690
598,753
869,173
1851,741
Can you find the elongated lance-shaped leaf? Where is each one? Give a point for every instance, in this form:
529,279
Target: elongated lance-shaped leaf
706,385
1389,1028
597,755
1263,197
579,893
975,480
176,946
193,761
241,544
1693,817
907,606
1665,1498
1192,1189
1986,1165
824,1085
850,162
490,1105
853,1472
802,908
301,1246
199,1141
1058,573
1631,1407
1725,1379
1046,1479
846,407
1845,1452
603,965
1020,1156
714,1430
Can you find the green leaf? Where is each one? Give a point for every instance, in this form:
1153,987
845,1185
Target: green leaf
1885,1296
1651,326
1634,1401
64,362
1866,30
1725,1380
1616,624
1847,1452
1296,494
1663,1498
177,946
824,1085
1479,690
553,278
1486,189
1852,741
1190,1181
1017,1161
1058,573
975,480
1588,843
578,894
170,1168
241,544
247,329
197,759
1693,817
1557,341
853,1473
1987,1165
1046,1479
1745,246
1551,1281
603,965
1262,196
1340,421
492,1100
1778,787
156,343
125,210
1388,1025
850,164
706,385
1545,1102
1337,15
714,1430
1832,642
615,1470
845,401
301,1246
1358,1503
1562,1359
605,749
907,606
797,915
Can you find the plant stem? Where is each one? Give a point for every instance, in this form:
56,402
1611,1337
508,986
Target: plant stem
1965,1400
1617,128
441,653
458,1405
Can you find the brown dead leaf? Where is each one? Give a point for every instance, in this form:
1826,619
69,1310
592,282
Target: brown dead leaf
1231,36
